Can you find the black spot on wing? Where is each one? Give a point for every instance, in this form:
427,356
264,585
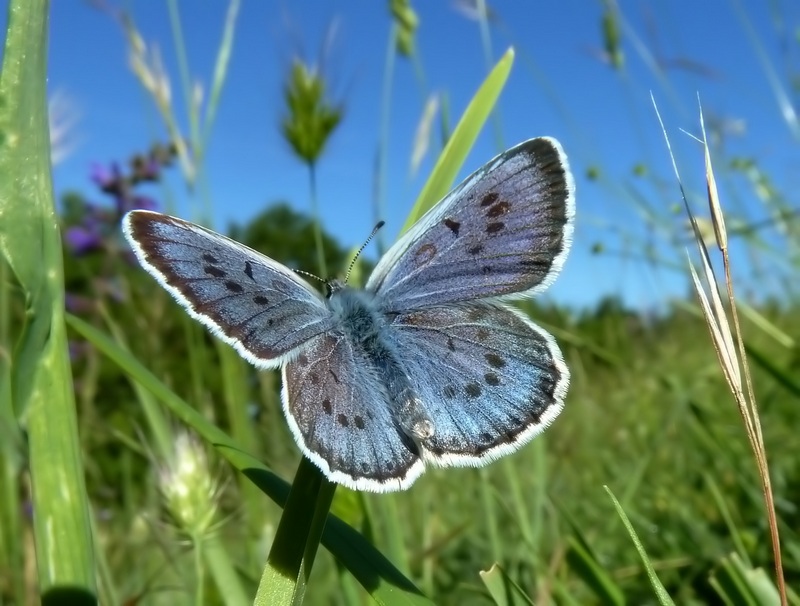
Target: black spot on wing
494,360
234,286
453,226
498,209
473,390
495,227
248,269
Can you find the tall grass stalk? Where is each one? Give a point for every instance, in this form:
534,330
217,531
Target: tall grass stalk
201,124
308,123
728,341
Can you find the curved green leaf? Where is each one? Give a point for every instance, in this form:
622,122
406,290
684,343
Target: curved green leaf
463,138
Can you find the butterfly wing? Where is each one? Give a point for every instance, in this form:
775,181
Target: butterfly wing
505,231
338,410
489,378
248,300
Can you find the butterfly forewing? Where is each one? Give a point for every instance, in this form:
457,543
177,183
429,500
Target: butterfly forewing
340,415
491,379
504,231
257,305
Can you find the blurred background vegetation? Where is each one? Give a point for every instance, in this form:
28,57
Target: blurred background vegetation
649,413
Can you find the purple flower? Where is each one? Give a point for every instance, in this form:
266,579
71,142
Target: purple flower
81,240
105,176
110,180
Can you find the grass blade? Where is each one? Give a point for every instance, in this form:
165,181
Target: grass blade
42,380
658,588
220,72
296,541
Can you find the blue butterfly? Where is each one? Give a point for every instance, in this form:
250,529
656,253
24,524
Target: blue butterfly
427,363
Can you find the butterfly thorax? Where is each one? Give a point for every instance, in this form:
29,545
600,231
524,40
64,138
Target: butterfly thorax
358,315
357,312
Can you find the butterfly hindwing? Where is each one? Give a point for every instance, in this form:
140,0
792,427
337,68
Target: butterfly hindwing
339,413
489,378
254,303
504,231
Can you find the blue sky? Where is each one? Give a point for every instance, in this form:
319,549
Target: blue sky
559,86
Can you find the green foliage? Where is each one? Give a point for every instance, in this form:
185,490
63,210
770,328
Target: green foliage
644,416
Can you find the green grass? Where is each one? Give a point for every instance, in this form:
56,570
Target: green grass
649,421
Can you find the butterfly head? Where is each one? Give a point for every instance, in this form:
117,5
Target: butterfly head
333,286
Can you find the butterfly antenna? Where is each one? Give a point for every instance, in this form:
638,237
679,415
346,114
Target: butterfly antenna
360,250
308,274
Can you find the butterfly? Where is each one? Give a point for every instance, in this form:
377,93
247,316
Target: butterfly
427,364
